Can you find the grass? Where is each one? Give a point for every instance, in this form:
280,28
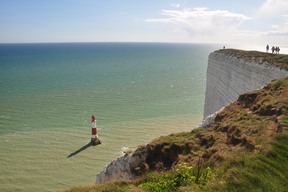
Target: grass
259,172
119,186
278,60
183,176
246,149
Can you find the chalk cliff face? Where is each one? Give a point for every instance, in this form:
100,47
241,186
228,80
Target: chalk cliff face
229,76
126,167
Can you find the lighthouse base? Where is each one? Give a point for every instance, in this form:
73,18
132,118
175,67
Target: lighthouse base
95,141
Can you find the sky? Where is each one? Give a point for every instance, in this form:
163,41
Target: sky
188,21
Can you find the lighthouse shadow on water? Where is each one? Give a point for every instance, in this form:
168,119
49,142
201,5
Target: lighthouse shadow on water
79,150
92,143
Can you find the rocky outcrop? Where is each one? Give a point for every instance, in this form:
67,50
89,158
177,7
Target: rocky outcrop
153,156
126,167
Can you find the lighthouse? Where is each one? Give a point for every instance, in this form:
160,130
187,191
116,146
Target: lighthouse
94,133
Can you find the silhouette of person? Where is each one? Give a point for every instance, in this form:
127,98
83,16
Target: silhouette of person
267,48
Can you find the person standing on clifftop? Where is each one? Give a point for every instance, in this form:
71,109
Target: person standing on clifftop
267,48
277,50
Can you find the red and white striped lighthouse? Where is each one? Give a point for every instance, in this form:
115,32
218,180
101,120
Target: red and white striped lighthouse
94,132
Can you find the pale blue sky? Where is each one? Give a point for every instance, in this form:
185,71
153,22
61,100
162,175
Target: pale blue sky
204,21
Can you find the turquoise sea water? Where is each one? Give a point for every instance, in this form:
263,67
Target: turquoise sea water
48,92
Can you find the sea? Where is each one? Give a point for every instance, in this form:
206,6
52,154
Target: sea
49,91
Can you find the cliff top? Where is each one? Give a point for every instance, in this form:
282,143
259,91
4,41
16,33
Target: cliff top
277,60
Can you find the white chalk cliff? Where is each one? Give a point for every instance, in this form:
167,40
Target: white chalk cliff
124,167
227,78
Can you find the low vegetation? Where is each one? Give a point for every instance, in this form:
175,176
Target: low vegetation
246,149
278,60
183,176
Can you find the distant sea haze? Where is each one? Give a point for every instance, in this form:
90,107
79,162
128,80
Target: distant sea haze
48,93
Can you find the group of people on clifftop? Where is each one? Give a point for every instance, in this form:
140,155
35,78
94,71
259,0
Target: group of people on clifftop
275,50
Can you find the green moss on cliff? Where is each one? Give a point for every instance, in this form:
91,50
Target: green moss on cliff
277,60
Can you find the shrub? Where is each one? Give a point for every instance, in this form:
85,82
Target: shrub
184,175
169,182
163,182
205,177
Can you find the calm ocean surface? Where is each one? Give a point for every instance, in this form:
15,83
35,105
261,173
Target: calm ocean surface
48,92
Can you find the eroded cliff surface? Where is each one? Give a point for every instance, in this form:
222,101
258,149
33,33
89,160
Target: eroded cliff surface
233,72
